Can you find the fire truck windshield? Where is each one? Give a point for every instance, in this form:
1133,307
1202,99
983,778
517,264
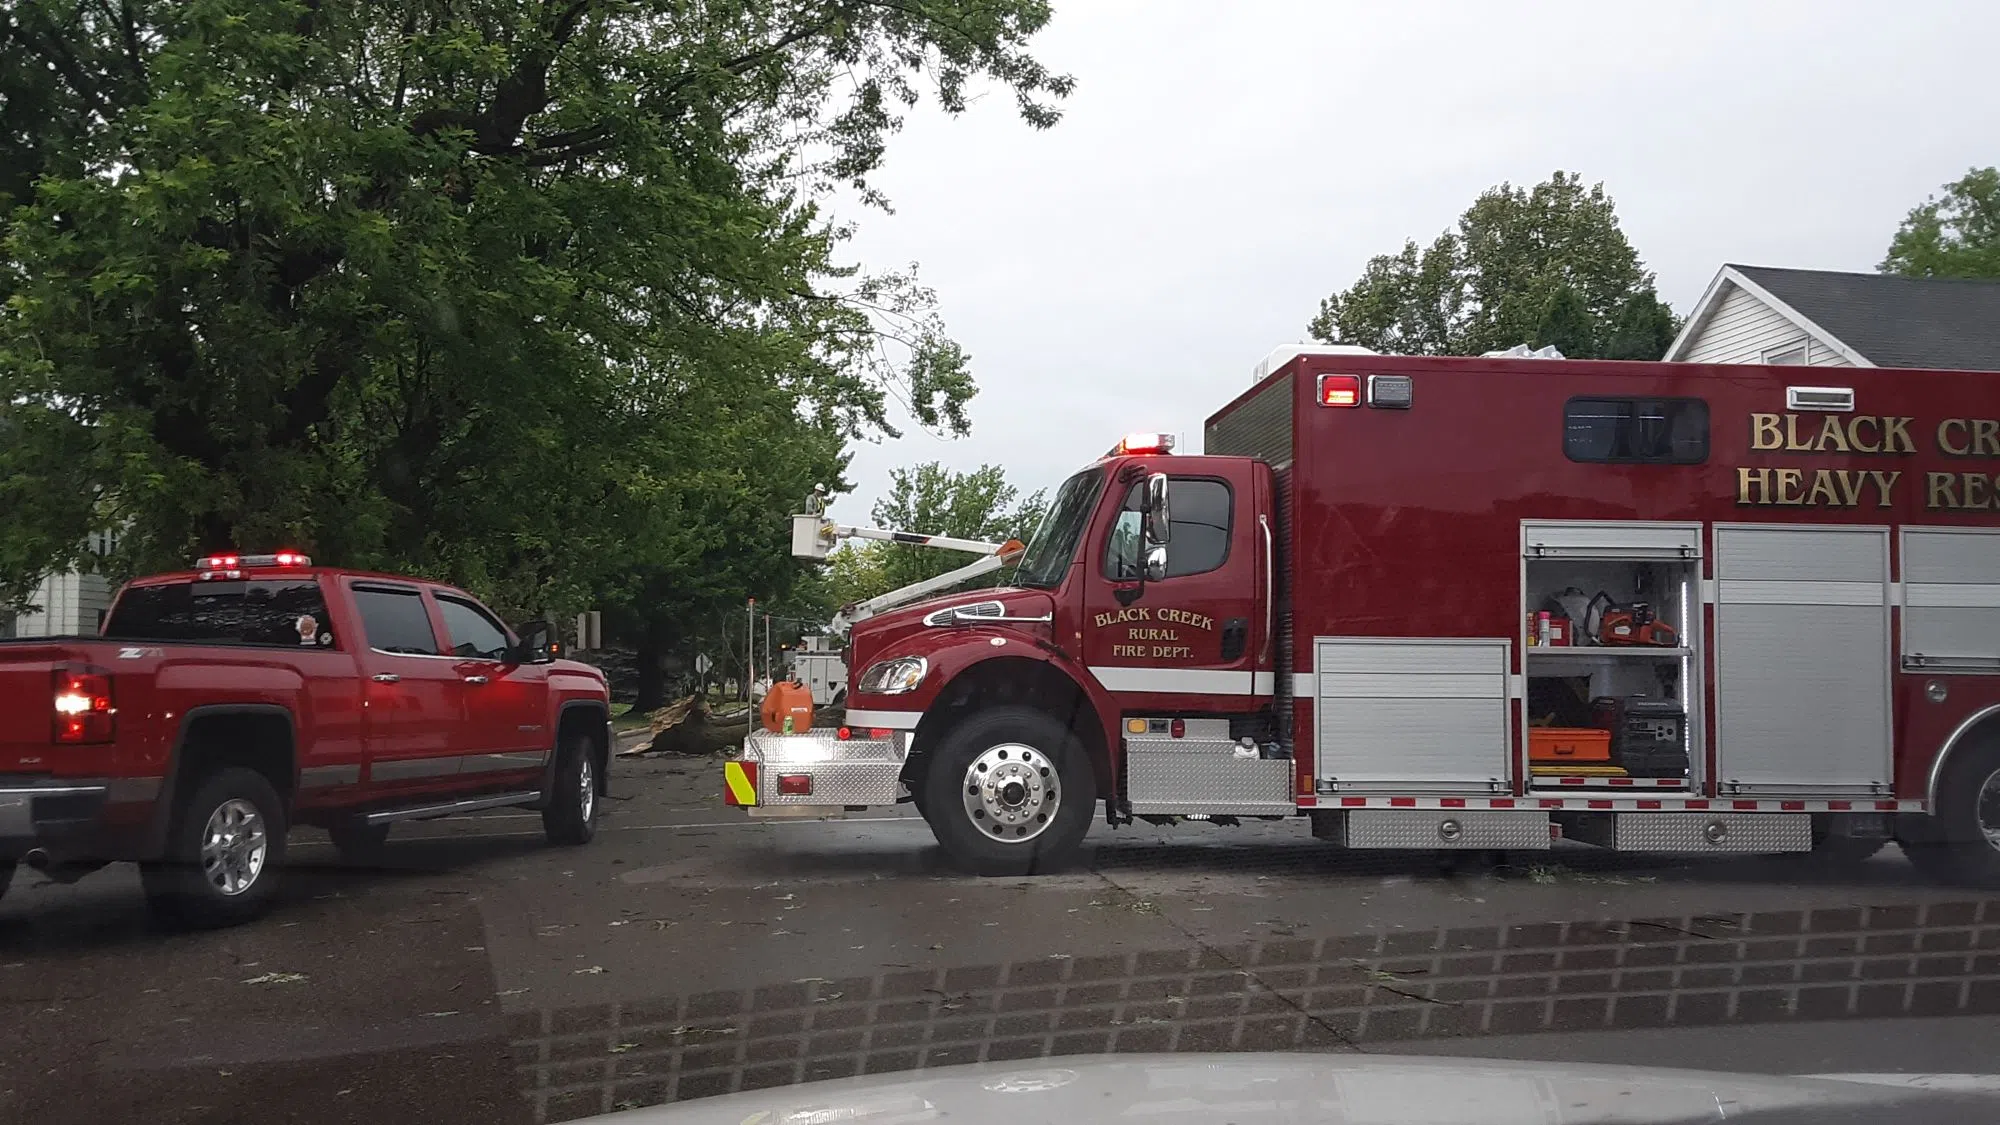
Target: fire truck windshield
1054,544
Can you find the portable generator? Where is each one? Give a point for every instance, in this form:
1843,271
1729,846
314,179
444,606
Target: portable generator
1648,735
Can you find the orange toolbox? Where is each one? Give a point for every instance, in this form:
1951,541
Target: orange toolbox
1568,744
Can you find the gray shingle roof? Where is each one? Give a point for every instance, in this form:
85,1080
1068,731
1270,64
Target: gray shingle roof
1896,321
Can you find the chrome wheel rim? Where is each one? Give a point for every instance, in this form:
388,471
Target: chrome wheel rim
587,788
1986,810
233,846
1011,793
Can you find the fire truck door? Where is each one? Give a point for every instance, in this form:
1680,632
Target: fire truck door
1200,631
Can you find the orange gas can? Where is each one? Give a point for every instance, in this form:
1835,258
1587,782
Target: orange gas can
787,700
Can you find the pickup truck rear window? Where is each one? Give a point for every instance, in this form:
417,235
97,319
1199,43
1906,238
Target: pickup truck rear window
290,613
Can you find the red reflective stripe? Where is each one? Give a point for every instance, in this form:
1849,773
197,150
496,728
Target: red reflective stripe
1353,802
1616,781
1644,804
1792,806
1697,803
1402,802
1886,806
1552,802
1451,802
1839,806
1600,803
1503,802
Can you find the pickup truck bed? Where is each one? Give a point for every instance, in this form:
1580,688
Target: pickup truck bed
224,705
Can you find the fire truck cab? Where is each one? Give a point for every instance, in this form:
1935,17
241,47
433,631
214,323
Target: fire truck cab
1472,603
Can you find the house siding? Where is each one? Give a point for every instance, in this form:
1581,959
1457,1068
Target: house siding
68,605
1743,328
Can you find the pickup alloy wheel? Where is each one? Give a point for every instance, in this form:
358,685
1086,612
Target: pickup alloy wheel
571,814
227,844
1010,792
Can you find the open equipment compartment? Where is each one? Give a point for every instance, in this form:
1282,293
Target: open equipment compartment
1612,677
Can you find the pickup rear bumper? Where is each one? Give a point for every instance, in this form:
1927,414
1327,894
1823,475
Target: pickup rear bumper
75,818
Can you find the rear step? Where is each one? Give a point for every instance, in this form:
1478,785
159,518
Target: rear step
452,808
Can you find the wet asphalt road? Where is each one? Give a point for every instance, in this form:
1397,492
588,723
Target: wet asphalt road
478,975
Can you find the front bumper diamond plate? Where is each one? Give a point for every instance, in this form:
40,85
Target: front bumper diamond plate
854,772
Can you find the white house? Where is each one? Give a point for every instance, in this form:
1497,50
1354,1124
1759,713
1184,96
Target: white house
1821,318
66,604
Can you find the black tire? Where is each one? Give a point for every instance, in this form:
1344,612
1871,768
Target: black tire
1054,771
191,887
358,841
1950,845
570,817
1833,853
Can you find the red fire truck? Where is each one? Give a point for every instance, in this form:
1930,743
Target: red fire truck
1470,603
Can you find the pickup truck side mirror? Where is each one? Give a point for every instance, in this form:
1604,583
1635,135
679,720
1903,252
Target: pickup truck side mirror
538,643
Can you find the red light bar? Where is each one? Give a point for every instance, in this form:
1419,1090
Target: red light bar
1144,443
237,562
1340,390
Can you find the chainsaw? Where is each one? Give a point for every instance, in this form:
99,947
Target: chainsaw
1629,623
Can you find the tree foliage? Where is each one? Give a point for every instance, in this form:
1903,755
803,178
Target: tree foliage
535,296
1547,265
1956,234
928,499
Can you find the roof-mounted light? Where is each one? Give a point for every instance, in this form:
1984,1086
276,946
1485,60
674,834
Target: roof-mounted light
232,566
1144,443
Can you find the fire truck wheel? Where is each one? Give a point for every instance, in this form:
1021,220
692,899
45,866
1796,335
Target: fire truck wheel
1010,792
224,855
1834,852
1960,843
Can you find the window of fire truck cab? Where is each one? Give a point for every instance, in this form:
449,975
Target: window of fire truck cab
1053,546
1200,523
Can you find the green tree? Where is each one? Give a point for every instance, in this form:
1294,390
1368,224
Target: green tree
1541,265
429,287
930,499
1953,235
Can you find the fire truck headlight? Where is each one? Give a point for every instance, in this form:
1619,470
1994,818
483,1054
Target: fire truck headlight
893,677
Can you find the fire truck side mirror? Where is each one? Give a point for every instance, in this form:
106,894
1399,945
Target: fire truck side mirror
1159,524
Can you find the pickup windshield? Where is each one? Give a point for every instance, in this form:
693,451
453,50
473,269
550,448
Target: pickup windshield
1054,544
284,611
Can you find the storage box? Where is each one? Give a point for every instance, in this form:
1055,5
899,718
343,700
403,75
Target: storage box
1568,744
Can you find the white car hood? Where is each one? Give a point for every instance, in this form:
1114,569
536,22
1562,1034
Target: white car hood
1265,1089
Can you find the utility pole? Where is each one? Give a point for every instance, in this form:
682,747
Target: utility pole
750,650
770,669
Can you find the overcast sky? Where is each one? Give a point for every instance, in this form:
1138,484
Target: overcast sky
1224,164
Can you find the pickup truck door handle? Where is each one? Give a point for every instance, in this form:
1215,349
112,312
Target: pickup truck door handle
387,678
475,679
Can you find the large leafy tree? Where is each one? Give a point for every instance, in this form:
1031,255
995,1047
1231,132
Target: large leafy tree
932,500
1541,266
532,295
1956,234
927,499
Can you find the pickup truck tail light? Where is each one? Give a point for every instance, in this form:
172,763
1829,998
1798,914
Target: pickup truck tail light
84,711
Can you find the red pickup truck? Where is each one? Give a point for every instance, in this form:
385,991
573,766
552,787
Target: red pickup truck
221,706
